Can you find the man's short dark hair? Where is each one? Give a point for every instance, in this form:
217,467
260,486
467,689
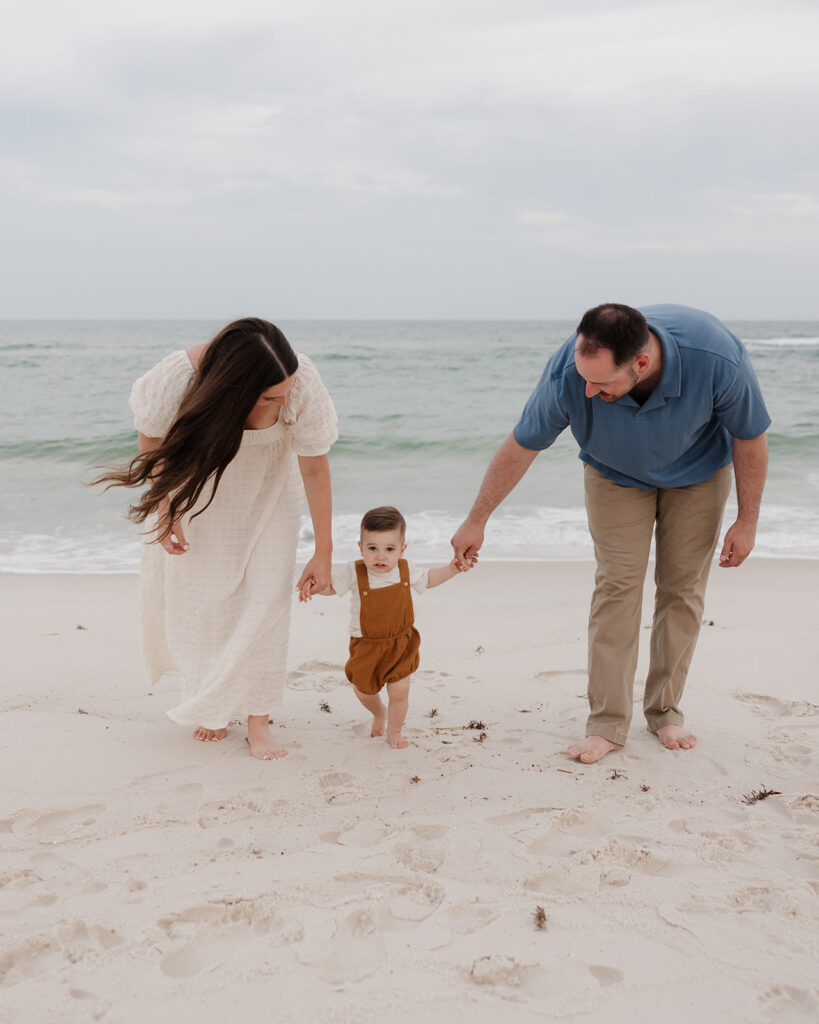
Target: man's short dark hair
620,329
382,519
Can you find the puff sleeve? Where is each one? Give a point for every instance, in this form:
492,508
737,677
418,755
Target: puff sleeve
310,414
156,396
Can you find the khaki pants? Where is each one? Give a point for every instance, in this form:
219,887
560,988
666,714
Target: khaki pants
621,522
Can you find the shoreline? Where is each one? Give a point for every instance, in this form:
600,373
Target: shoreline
779,560
146,873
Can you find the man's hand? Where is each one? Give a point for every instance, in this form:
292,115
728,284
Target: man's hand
466,544
750,467
738,544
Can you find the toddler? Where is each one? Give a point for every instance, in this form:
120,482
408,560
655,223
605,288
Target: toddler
384,642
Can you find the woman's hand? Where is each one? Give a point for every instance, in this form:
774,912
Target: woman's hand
174,541
316,577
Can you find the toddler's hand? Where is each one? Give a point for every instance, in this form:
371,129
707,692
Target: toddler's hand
463,564
306,589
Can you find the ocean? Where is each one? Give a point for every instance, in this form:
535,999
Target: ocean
422,407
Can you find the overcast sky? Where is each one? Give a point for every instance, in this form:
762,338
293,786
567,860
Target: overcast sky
407,158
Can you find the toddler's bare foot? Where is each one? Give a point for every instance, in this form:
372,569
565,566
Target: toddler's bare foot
260,741
592,749
397,741
379,722
674,737
209,735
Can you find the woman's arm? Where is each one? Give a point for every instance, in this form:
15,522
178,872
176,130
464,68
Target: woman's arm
315,472
173,546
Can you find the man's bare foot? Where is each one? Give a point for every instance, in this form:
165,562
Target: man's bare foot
674,737
209,735
397,741
379,723
592,749
260,741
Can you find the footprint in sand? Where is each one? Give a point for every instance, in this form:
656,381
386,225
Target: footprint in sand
465,918
409,903
787,1003
357,950
64,875
182,802
784,748
631,852
569,832
559,673
432,682
496,970
207,949
567,878
426,857
46,954
318,676
321,666
424,831
158,779
764,704
368,832
58,825
236,808
804,808
340,788
218,932
30,959
605,975
518,817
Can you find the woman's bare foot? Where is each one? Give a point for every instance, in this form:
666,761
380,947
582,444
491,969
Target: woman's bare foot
397,741
592,749
209,735
674,737
260,741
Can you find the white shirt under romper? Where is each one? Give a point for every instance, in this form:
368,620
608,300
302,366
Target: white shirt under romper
343,578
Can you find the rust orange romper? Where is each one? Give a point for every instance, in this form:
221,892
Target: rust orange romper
388,647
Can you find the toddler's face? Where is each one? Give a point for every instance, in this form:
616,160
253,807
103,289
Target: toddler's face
382,549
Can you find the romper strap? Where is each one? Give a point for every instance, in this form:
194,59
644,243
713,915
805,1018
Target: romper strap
403,571
361,576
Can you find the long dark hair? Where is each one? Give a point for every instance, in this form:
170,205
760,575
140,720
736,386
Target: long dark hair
244,359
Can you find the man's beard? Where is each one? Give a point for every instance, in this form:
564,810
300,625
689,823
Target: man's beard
611,399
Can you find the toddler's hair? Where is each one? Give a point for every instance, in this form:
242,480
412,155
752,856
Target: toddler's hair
383,518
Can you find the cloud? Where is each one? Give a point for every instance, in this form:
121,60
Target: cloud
407,133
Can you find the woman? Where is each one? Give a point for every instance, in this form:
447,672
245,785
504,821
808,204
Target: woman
228,433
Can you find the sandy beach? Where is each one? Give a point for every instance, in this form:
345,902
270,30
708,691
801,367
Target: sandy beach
147,876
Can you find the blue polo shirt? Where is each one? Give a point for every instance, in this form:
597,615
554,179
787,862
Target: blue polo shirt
707,395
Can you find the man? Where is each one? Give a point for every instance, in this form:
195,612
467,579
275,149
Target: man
661,401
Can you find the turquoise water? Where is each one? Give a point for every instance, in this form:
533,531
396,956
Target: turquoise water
422,406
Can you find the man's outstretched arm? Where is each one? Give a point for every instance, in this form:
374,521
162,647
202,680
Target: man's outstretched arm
750,468
505,471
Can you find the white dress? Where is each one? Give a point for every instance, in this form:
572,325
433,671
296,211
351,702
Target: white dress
219,615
